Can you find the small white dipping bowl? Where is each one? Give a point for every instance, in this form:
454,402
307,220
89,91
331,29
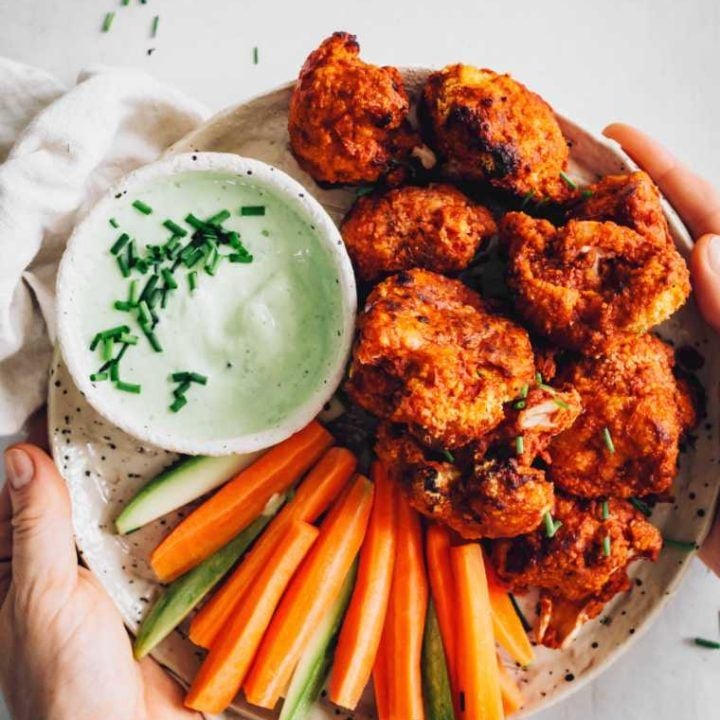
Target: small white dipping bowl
146,415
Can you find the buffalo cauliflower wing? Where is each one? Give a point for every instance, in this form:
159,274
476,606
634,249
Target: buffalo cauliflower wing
590,284
582,566
430,356
347,119
630,200
478,497
488,127
635,412
436,227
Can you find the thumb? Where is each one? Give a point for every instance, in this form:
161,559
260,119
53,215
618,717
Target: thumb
43,549
705,270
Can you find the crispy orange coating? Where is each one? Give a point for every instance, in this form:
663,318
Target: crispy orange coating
437,227
631,200
348,119
488,497
591,284
430,356
486,126
536,417
633,393
577,569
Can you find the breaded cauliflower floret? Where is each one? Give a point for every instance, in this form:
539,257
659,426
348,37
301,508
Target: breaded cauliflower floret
436,227
581,567
635,412
486,497
590,284
348,119
486,126
430,356
630,200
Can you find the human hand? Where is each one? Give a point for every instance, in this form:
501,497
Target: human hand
65,653
698,204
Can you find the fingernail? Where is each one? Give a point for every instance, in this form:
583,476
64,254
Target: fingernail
713,253
19,468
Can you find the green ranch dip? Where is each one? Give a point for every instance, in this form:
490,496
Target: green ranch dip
241,324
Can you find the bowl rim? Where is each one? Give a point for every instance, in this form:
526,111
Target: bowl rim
296,196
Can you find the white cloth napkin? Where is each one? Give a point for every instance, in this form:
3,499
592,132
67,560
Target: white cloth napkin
60,149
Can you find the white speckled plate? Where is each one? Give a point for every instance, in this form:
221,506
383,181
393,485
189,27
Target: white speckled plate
103,466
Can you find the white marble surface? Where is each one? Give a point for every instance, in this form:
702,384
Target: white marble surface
650,62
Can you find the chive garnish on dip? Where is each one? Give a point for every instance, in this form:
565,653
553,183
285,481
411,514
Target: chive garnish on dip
680,544
641,505
710,644
256,55
448,456
128,387
606,546
605,513
108,21
519,445
142,207
114,223
252,210
154,27
174,228
551,526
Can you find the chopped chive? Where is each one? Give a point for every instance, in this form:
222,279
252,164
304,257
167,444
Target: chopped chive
115,371
524,391
240,258
234,240
551,526
163,299
710,644
132,257
119,244
547,388
680,544
153,300
198,378
123,350
256,55
107,349
122,306
182,388
108,21
211,260
98,377
195,222
144,312
519,405
448,456
538,378
114,223
605,512
127,339
179,403
128,387
365,190
169,279
527,198
192,280
218,218
149,287
609,444
252,210
132,292
587,193
606,546
568,180
519,445
154,28
174,228
265,233
180,376
122,264
642,506
526,625
154,342
95,341
561,403
142,207
141,266
112,333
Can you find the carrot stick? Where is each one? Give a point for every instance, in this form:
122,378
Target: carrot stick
381,675
478,675
222,673
508,628
237,503
363,623
405,620
442,585
321,486
512,698
311,593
